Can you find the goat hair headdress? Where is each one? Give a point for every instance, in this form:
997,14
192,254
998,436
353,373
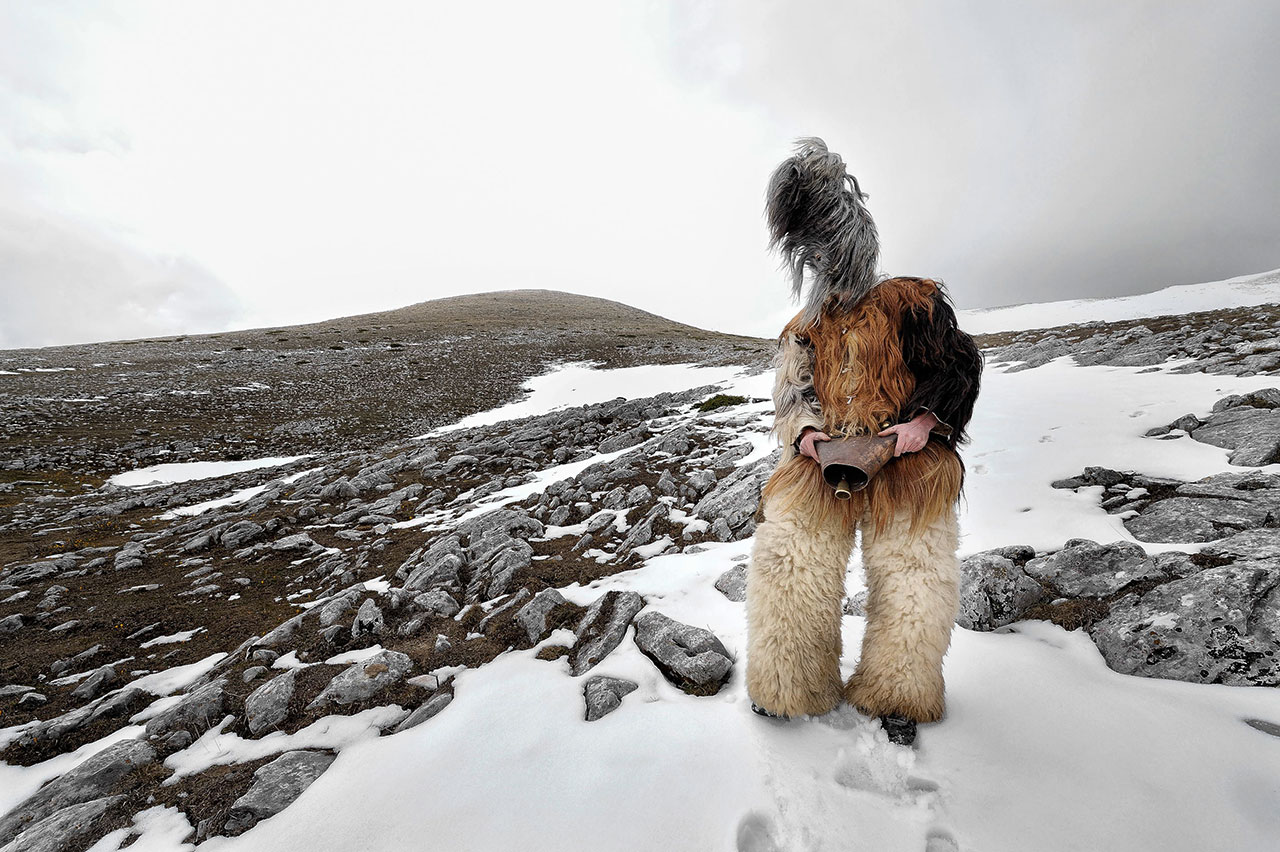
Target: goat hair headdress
817,220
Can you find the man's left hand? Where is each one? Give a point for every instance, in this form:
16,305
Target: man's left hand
914,435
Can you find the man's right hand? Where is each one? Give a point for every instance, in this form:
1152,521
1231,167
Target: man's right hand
808,440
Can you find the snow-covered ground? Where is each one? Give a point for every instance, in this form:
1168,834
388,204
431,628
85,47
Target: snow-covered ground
1043,747
163,474
581,384
1245,291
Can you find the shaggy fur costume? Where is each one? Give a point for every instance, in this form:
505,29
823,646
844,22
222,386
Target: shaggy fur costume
863,354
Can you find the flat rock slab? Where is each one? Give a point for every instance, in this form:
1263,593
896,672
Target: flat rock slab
64,830
428,710
86,782
690,657
1219,625
275,786
1194,519
604,695
1086,569
363,680
602,629
1249,545
1253,435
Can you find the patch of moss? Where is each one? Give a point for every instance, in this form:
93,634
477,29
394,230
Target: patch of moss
721,400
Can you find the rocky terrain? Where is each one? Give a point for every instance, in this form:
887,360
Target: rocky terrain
79,412
278,611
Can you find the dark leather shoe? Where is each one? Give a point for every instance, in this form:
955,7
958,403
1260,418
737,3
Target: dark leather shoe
900,729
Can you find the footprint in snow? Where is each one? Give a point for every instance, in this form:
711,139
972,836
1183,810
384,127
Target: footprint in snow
860,782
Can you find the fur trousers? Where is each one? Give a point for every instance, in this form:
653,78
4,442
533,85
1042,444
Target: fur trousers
795,590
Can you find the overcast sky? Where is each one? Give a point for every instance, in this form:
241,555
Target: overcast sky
183,167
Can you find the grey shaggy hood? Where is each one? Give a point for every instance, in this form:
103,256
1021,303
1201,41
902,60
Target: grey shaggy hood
817,220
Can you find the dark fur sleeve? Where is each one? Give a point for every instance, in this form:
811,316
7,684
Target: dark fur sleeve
946,364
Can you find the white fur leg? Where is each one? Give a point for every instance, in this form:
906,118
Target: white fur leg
794,590
912,597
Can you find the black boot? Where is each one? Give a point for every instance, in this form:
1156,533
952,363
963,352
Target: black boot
768,714
900,729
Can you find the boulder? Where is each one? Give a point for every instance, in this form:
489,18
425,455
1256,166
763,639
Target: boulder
1219,625
1091,570
368,621
437,602
68,828
690,657
240,534
733,583
90,780
95,684
363,680
1252,434
1195,519
198,711
995,591
736,497
602,629
1250,545
268,705
275,786
338,606
533,615
604,695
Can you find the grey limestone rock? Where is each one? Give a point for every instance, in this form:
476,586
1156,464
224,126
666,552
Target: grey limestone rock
736,497
297,542
363,680
428,710
368,621
604,694
198,711
1088,569
690,657
339,489
1196,519
91,780
733,583
1219,625
275,786
95,684
437,602
267,706
639,496
1252,434
1259,544
602,629
533,615
333,611
500,612
995,591
240,534
63,830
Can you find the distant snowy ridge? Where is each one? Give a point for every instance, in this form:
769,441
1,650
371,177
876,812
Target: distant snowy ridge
1245,291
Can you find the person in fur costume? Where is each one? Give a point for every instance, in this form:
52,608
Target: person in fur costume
865,355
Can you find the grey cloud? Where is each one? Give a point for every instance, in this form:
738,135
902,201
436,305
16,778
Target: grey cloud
64,282
1027,152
